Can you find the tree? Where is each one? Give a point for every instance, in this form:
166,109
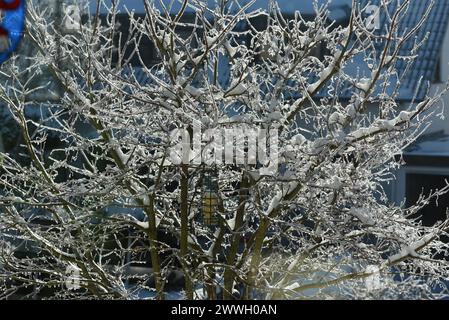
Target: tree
114,172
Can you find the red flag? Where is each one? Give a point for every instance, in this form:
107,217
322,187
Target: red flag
9,5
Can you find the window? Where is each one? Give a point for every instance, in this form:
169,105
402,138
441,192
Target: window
146,47
417,183
437,74
435,211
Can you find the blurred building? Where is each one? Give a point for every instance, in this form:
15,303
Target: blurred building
427,161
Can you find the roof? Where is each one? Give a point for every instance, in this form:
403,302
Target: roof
429,150
415,81
429,54
338,9
287,6
436,143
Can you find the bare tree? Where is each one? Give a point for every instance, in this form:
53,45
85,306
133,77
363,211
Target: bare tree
96,186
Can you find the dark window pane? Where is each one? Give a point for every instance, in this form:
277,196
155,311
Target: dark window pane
146,47
425,183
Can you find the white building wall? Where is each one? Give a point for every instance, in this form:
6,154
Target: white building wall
443,124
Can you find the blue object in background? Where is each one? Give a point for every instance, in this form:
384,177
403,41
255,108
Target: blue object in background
13,22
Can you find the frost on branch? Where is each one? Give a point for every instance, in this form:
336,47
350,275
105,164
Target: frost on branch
90,195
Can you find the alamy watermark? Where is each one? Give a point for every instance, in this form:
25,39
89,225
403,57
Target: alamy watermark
372,21
373,281
72,18
232,145
72,280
